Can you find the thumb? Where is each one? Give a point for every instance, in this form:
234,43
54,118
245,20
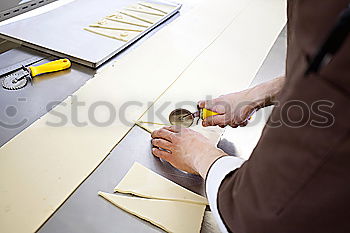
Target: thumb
201,103
208,104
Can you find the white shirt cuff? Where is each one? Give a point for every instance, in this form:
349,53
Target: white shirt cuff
216,174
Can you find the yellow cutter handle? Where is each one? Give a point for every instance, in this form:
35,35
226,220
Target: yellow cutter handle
207,113
52,66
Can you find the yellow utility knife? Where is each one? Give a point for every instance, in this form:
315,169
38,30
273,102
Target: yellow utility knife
20,79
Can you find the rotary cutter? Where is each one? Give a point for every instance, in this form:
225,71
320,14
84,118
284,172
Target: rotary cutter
19,79
185,118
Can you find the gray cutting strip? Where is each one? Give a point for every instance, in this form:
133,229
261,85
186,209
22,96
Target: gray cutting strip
64,34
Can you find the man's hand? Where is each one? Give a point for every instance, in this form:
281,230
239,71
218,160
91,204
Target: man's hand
236,108
187,150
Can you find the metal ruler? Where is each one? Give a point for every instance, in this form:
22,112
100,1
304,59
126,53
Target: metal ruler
17,66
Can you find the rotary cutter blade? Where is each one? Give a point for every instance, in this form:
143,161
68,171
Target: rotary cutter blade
14,81
181,117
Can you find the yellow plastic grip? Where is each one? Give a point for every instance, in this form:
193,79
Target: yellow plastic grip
52,66
207,113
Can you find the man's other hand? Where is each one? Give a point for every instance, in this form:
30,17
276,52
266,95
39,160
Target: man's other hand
186,149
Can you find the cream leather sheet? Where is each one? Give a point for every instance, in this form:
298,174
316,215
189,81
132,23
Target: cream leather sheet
143,182
212,133
44,164
171,216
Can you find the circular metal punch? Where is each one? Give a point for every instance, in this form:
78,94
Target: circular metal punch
181,117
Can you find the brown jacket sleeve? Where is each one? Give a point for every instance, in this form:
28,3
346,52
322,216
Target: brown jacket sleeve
297,180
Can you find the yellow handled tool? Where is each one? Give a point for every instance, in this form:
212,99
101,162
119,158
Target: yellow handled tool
207,113
49,67
18,80
185,118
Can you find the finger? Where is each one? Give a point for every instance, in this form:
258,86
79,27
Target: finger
173,128
214,120
208,104
161,154
162,144
162,133
201,104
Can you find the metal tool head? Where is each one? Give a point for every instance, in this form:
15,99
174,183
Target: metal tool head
181,117
16,80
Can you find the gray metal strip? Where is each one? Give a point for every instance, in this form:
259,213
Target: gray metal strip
67,38
22,8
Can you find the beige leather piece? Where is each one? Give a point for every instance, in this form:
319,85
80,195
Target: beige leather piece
143,182
171,216
127,20
144,9
158,7
43,165
109,24
126,24
141,16
212,133
114,34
